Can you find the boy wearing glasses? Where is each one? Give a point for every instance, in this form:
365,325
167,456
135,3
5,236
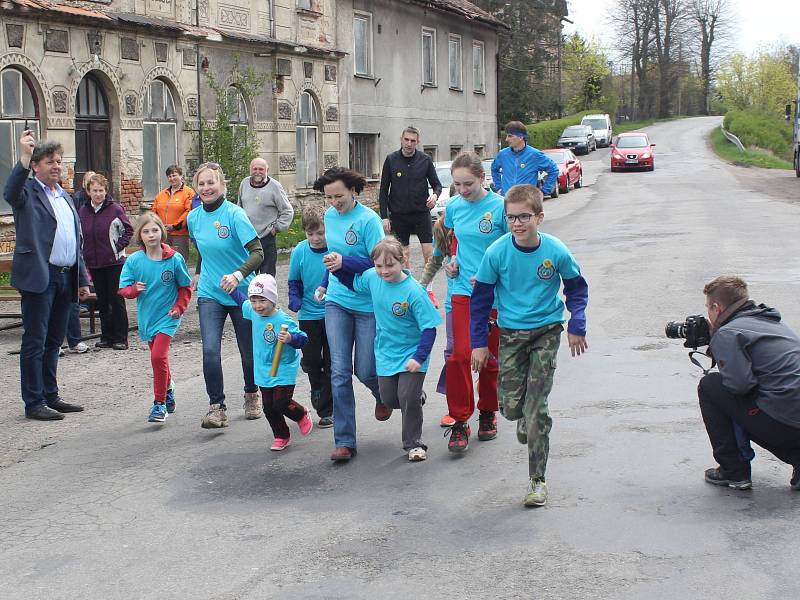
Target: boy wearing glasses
524,269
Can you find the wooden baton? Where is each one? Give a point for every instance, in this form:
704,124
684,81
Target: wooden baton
276,358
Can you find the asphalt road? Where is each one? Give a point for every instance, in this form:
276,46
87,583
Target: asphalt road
111,507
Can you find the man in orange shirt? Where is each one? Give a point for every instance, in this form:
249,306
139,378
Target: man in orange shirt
172,205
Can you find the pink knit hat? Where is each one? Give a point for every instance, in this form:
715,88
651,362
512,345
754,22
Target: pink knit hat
264,285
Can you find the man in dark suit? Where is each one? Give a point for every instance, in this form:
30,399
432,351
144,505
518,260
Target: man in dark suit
47,270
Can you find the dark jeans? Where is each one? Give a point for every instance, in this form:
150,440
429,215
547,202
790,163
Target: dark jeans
721,410
316,362
212,325
44,323
277,402
113,315
74,334
270,248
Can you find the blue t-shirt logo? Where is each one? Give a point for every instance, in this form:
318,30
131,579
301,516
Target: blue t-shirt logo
269,334
546,270
351,237
167,277
224,232
485,226
399,309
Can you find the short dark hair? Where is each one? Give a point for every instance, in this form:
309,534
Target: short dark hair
46,149
351,179
313,217
516,128
726,290
411,129
527,194
173,169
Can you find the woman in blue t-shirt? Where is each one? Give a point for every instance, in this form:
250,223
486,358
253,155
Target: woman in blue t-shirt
230,251
351,232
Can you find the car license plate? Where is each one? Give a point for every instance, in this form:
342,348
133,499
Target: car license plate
631,161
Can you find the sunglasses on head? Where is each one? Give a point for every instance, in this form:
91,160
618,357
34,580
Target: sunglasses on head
210,165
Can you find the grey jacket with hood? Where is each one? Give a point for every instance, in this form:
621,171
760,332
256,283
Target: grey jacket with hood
758,355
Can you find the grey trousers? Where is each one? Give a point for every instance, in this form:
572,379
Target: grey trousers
404,391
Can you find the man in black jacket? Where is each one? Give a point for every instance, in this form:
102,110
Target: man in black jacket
757,387
404,200
47,270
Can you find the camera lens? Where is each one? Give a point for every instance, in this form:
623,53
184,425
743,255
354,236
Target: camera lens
676,330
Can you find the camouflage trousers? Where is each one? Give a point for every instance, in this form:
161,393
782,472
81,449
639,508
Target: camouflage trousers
527,364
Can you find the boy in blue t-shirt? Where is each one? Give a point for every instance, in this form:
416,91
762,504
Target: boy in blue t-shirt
275,334
524,270
306,272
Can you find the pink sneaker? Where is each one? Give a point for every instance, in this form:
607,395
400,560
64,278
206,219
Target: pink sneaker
280,444
305,424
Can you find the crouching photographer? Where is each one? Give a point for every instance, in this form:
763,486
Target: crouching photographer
757,387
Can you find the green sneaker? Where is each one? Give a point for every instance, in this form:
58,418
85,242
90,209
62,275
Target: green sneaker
522,432
537,493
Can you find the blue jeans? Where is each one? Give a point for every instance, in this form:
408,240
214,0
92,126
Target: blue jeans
212,324
74,325
346,328
44,323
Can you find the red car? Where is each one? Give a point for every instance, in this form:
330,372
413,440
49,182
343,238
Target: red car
570,171
632,150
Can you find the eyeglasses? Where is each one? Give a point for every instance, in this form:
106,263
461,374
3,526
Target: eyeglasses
523,218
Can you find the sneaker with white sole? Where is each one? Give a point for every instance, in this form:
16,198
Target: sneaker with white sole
252,406
417,454
280,444
325,422
215,418
79,348
717,476
158,414
537,493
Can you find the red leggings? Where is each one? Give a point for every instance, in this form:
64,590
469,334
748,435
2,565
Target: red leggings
159,358
460,392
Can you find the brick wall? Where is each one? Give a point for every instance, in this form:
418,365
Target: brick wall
131,194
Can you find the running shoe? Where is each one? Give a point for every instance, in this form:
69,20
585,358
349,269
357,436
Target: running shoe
280,444
158,414
459,437
170,400
487,426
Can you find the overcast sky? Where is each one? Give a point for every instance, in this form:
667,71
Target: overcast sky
757,23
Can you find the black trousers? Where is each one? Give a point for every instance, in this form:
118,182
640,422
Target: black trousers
278,403
113,315
270,248
721,409
316,362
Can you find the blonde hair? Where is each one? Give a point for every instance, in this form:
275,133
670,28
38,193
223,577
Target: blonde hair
215,168
146,218
96,179
525,193
391,246
442,236
86,177
313,217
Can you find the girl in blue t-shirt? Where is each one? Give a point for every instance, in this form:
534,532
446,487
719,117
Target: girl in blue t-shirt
351,232
230,251
406,329
158,279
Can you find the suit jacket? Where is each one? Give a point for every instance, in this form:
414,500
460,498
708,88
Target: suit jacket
35,223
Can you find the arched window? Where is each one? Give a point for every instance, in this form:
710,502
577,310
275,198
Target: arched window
91,103
18,107
307,136
237,113
159,137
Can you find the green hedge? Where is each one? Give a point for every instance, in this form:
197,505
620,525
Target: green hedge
761,130
545,134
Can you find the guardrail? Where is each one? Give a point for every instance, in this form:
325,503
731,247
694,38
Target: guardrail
732,139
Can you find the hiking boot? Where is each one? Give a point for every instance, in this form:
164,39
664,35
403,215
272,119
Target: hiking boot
447,421
417,454
459,437
252,406
158,414
305,424
215,418
325,422
280,444
522,431
120,345
795,481
487,426
103,344
170,398
537,493
382,412
343,454
433,298
717,476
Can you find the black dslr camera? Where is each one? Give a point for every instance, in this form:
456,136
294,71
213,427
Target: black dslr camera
695,330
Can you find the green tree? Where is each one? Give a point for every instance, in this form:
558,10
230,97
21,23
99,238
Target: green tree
232,146
762,82
585,73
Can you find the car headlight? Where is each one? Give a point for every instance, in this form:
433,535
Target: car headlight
646,155
618,156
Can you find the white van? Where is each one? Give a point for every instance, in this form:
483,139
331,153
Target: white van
602,128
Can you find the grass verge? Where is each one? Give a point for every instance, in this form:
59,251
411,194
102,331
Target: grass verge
751,157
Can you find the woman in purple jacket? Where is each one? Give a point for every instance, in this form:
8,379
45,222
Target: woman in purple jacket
106,233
